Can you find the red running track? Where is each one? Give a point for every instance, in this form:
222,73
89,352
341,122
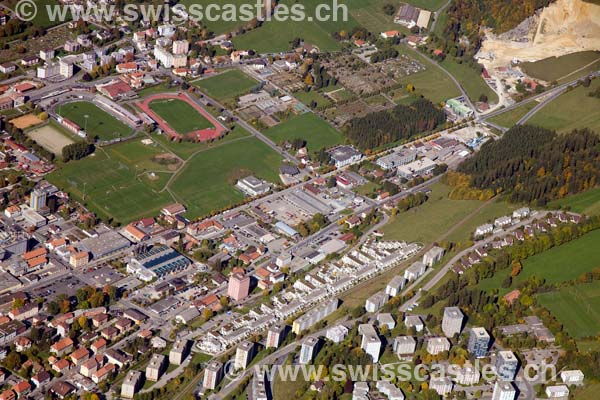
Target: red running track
202,135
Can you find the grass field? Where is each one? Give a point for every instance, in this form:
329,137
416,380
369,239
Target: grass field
470,80
490,212
276,35
186,149
585,203
431,5
42,19
221,25
99,122
576,307
207,182
554,68
509,118
310,127
432,83
571,110
180,115
226,86
110,182
428,221
313,95
556,265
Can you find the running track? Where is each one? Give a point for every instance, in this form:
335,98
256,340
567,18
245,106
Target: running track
202,135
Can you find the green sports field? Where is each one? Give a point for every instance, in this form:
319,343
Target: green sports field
310,127
99,122
111,181
556,265
180,115
207,183
586,203
227,85
186,149
554,68
574,109
576,307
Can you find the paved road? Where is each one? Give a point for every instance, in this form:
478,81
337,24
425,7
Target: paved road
485,117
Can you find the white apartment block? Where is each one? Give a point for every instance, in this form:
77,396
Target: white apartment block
437,345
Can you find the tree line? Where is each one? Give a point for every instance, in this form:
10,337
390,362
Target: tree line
401,122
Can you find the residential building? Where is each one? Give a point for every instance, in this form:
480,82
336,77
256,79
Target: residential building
572,377
414,271
504,391
484,229
394,286
370,342
275,336
557,392
238,287
437,345
433,256
310,348
479,342
79,259
213,373
337,333
179,351
386,319
404,346
131,384
442,386
452,321
312,317
414,321
156,367
468,375
243,355
37,199
375,302
181,47
62,347
507,365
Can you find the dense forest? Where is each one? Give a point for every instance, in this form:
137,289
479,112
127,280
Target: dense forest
401,122
465,17
535,165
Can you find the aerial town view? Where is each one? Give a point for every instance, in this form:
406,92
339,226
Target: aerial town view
300,199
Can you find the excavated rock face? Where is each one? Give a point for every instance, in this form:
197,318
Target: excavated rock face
565,26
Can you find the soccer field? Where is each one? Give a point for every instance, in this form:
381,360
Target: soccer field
111,181
208,181
99,123
576,307
180,115
227,85
310,127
